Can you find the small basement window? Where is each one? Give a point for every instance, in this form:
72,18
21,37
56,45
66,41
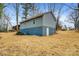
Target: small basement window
33,21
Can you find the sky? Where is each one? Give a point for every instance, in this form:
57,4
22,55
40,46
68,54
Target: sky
9,10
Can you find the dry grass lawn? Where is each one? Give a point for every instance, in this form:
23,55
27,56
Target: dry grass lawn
64,43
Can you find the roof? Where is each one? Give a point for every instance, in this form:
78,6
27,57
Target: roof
37,16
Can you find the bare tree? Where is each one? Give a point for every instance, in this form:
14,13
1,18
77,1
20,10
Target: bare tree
59,15
2,20
16,7
52,7
57,11
7,18
17,12
26,7
34,9
74,16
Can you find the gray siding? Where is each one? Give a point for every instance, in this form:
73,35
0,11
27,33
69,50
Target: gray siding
29,24
49,20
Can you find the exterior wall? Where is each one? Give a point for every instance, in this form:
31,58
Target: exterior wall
29,24
48,20
39,28
51,31
33,31
37,31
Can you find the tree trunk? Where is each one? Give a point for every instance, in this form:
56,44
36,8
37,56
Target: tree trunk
77,24
57,25
17,11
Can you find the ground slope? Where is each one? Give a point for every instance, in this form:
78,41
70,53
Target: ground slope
61,44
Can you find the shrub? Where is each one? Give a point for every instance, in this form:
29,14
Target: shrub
19,33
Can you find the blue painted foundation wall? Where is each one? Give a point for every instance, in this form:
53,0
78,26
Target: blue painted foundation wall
32,31
37,31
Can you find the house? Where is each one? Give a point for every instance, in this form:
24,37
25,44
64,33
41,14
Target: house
42,24
15,27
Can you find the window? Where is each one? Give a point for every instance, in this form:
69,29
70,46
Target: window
33,21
